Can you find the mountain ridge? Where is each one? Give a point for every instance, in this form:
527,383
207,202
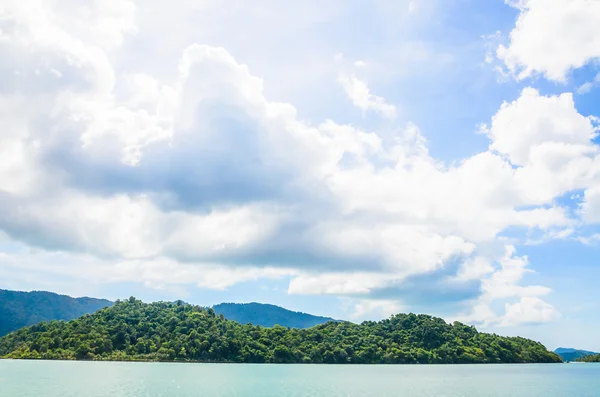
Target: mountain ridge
24,308
268,315
20,308
570,354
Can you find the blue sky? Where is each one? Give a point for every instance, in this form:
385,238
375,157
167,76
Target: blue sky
349,159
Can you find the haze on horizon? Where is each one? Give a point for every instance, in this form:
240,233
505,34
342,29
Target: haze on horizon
344,159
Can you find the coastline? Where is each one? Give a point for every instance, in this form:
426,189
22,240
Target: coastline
268,364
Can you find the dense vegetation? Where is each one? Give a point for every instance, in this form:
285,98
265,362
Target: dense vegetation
20,309
268,315
132,330
568,354
591,358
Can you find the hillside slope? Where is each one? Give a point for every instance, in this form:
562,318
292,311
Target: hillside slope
20,309
133,330
268,315
590,358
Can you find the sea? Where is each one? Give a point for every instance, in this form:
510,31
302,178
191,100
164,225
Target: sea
117,379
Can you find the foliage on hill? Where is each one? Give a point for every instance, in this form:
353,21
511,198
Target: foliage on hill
591,358
568,354
20,309
268,315
132,330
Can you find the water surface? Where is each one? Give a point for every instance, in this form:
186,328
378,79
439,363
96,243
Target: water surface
110,379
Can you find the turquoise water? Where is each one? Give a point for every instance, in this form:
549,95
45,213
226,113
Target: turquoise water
104,379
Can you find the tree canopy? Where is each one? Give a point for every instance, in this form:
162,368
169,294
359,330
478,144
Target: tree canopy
162,331
591,358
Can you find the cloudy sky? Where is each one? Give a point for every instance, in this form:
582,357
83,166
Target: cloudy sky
345,158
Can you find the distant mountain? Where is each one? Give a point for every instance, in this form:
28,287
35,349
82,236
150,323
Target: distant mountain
20,309
568,354
267,315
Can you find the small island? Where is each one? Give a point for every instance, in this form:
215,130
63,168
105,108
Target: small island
131,330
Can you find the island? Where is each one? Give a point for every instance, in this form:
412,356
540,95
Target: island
131,330
591,358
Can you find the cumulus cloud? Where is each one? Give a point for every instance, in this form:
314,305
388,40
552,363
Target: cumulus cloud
529,310
375,308
475,268
552,37
198,178
361,97
78,273
590,207
552,147
505,283
546,129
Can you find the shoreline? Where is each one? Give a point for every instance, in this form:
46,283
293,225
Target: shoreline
266,364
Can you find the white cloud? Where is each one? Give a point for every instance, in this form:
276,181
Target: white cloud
585,88
552,37
475,268
593,239
404,249
590,207
529,310
505,283
377,309
361,97
549,141
193,176
132,227
523,128
480,314
31,269
337,283
589,85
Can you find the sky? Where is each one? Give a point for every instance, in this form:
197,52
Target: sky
344,158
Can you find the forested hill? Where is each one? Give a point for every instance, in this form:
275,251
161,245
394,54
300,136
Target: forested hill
19,309
268,315
592,358
132,330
